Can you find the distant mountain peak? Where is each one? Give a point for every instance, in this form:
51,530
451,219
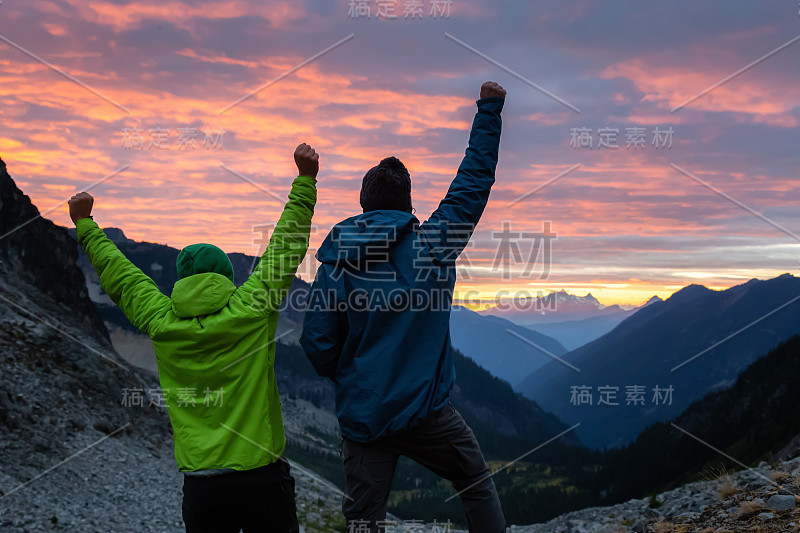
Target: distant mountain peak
36,252
695,287
564,296
653,300
116,235
690,292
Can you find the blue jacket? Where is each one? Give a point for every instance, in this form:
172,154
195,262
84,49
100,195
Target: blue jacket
378,315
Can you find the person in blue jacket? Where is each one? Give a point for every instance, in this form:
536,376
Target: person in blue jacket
377,323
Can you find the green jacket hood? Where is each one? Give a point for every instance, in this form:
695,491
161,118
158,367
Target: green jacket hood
201,294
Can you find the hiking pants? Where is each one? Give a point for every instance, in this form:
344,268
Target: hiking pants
445,445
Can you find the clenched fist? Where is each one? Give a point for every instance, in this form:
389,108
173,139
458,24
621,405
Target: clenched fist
307,160
80,206
491,88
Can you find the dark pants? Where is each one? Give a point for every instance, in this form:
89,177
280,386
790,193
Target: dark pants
255,501
445,445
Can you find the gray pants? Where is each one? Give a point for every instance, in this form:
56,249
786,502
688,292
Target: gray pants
445,445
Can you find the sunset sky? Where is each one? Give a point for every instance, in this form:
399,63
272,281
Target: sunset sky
629,224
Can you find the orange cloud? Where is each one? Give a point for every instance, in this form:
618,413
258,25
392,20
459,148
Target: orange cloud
182,14
58,138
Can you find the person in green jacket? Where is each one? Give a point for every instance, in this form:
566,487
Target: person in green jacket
215,350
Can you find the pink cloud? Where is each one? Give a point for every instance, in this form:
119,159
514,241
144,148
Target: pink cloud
671,86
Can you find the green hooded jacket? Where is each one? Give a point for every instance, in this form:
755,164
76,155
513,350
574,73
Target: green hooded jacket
214,343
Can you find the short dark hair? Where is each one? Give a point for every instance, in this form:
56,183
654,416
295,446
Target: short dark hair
387,186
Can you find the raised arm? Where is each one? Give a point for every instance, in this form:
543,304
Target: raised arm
450,227
266,288
131,289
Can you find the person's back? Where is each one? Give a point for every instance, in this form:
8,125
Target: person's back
398,338
377,324
214,346
214,350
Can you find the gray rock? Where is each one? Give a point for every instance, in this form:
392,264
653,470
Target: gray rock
781,502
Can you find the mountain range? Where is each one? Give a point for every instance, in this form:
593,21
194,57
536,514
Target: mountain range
558,306
575,333
570,319
695,342
752,421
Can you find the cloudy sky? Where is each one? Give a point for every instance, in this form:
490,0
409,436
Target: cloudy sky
148,86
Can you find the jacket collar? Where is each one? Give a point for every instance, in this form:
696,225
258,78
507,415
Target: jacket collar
366,235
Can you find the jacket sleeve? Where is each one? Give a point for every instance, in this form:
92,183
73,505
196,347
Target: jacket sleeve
269,284
132,290
324,330
450,227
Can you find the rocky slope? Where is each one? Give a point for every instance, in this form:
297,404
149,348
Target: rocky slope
72,458
35,251
762,499
113,467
